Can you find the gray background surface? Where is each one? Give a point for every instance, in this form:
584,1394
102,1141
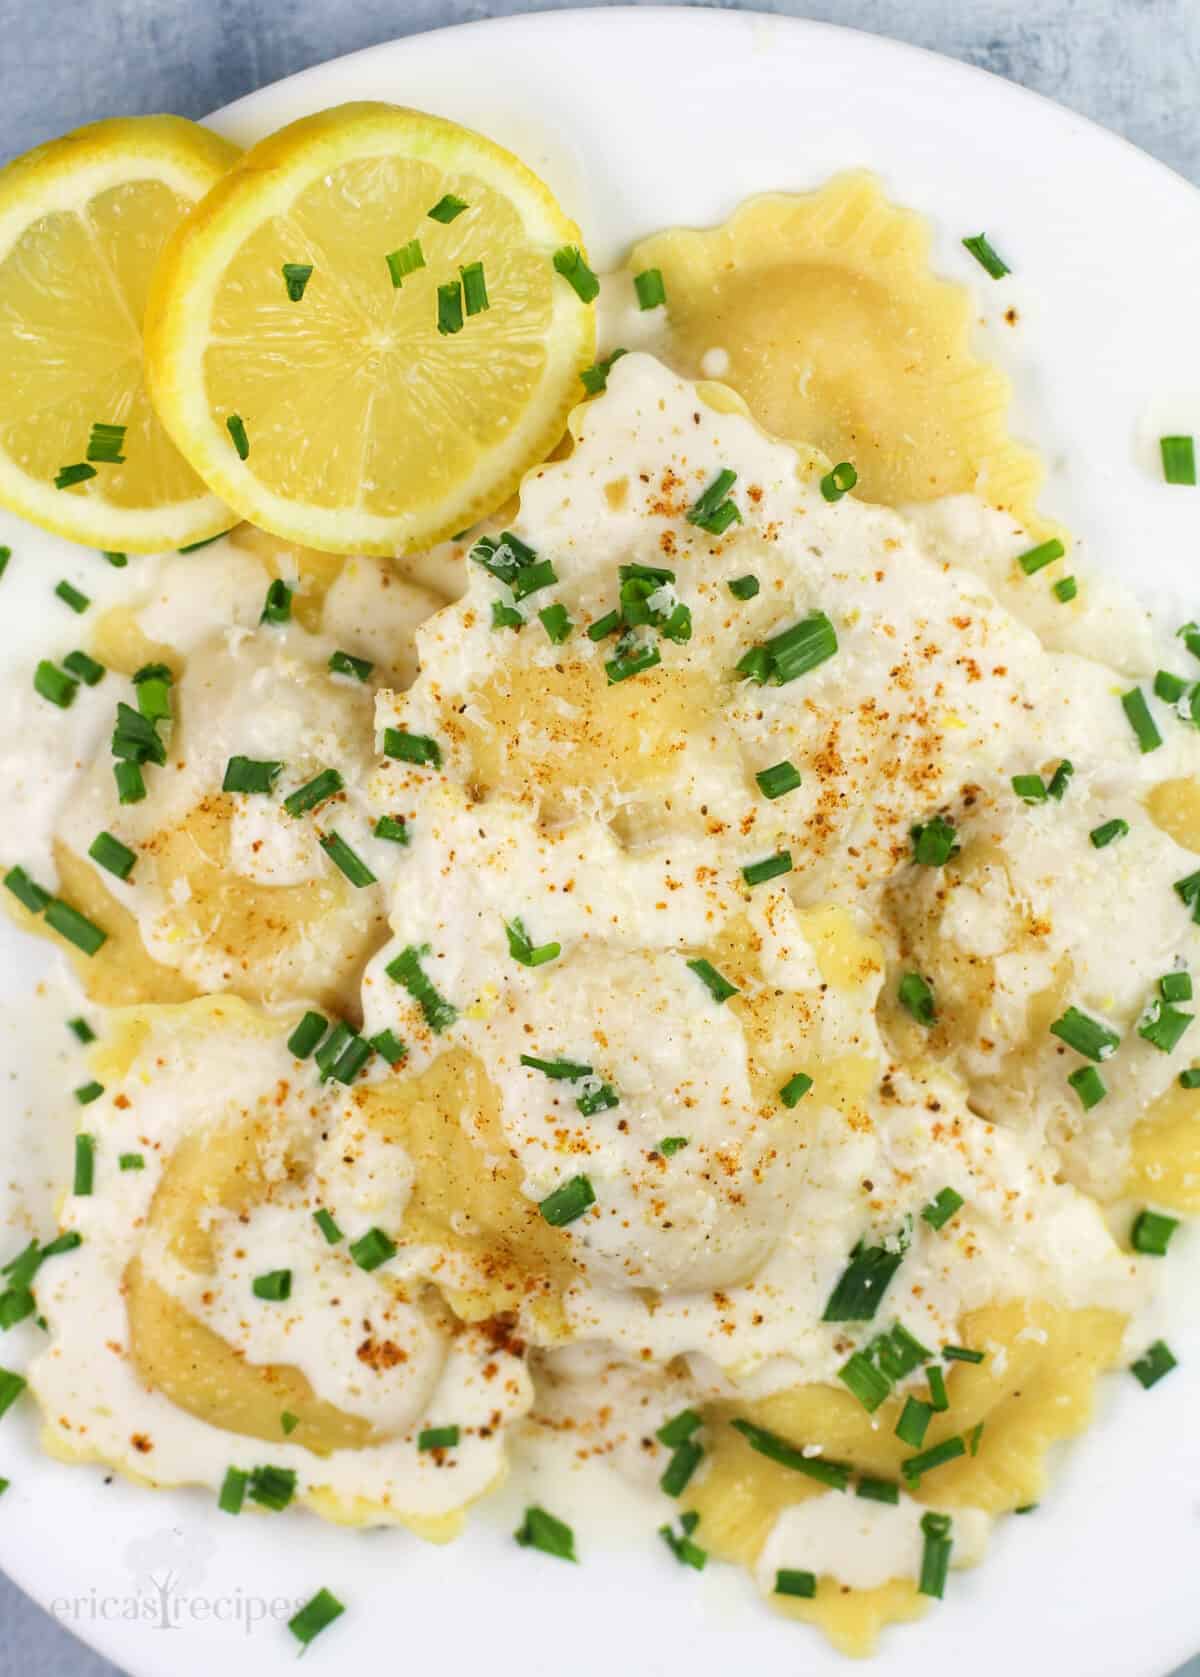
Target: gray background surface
1132,65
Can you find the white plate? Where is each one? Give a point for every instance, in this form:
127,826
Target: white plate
639,120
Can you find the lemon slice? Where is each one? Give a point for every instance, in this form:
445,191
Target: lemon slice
326,405
82,222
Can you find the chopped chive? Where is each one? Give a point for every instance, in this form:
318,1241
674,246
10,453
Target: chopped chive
569,262
1151,1233
834,1474
862,1284
540,1530
68,476
677,1474
1037,558
296,276
85,669
633,662
678,626
404,261
916,997
406,971
714,511
684,1550
878,1490
194,547
651,292
567,1203
914,1422
840,481
27,891
237,431
557,623
154,698
289,1423
595,378
313,792
1031,788
326,1056
392,828
105,444
1154,1365
1065,589
438,1438
934,842
1136,709
679,1428
939,1399
506,617
1107,831
795,652
449,308
914,1467
935,1555
89,1092
973,1437
1178,459
983,253
275,1285
372,1249
474,288
1060,780
344,663
247,774
503,559
523,950
1026,1508
961,1354
718,987
111,854
1190,1079
604,626
328,1227
672,1144
75,927
865,1382
795,1089
71,596
5,556
412,748
136,739
277,606
389,1047
11,1387
897,1352
744,587
81,1029
307,1035
50,682
351,1060
85,1165
1163,1026
530,578
446,208
757,873
789,1581
272,1487
131,786
233,1491
116,559
942,1207
1189,890
1170,688
1085,1035
132,1161
778,779
1089,1086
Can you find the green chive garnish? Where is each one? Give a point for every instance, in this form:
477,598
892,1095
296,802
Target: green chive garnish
446,208
343,663
404,261
1154,1364
1190,1079
795,1089
474,288
744,587
68,476
939,1399
389,1047
85,1165
277,606
914,1467
289,1423
316,1616
392,828
778,779
983,253
131,786
412,748
718,987
275,1285
11,1387
328,1227
916,997
1085,1035
863,1282
326,1057
233,1491
1089,1086
941,1208
351,1060
834,1474
878,1490
89,1092
406,971
372,1249
935,1556
84,668
247,774
672,1144
50,682
347,860
135,738
789,1581
1037,558
105,444
557,623
1065,589
1060,780
961,1354
1151,1233
865,1381
449,308
567,1203
1178,459
1163,1026
506,617
634,662
714,511
296,276
684,1550
934,842
1136,709
27,891
82,1030
132,1161
600,1099
840,481
237,431
272,1487
540,1530
793,653
757,873
523,950
313,792
75,927
651,292
1030,787
595,378
1104,834
677,1475
569,262
914,1422
897,1352
679,1428
71,596
111,854
438,1438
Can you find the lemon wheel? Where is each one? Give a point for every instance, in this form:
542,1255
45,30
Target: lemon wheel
360,339
82,222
